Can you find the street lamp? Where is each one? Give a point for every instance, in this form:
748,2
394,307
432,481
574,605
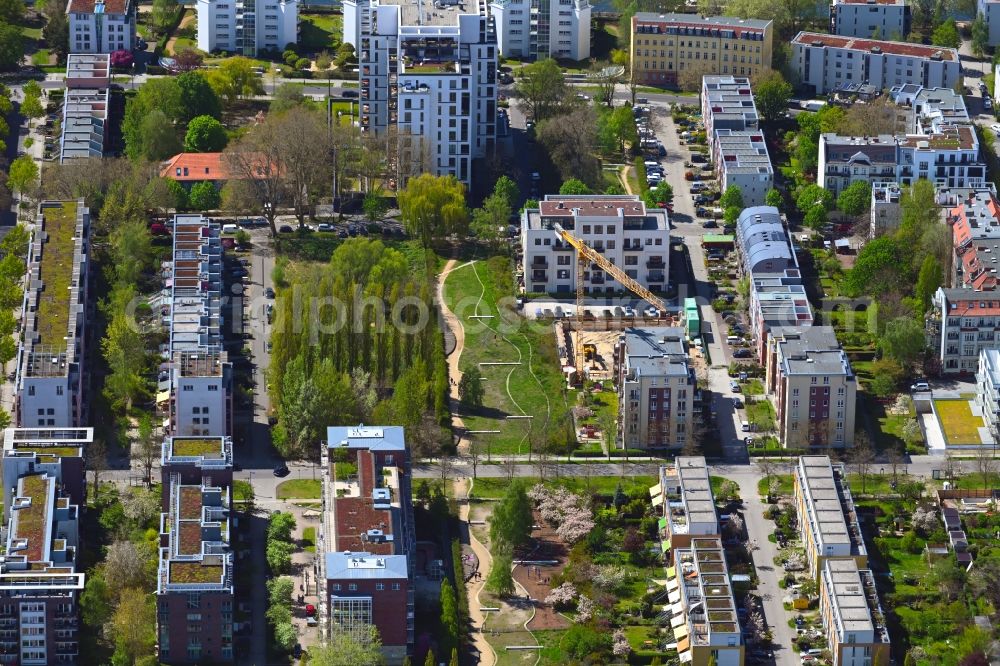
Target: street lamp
133,75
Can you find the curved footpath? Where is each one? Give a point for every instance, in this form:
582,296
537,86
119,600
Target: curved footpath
472,587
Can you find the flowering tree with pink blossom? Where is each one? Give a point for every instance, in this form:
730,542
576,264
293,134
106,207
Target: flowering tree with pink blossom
621,647
562,597
585,609
567,512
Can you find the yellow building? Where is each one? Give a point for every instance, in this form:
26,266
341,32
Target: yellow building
664,46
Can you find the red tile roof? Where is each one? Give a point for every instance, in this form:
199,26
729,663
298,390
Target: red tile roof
191,167
970,307
87,6
893,48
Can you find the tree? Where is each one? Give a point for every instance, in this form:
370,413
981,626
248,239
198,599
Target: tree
814,195
32,107
986,465
11,11
862,457
451,629
571,139
235,79
657,197
733,196
621,124
574,186
178,195
510,524
773,198
129,563
11,47
489,223
500,581
946,35
188,60
95,602
855,199
287,95
880,116
280,527
980,37
204,196
887,373
470,388
56,34
279,557
507,188
197,97
205,134
133,626
904,340
164,15
433,207
158,138
343,649
815,217
771,93
22,175
928,281
877,268
146,448
541,89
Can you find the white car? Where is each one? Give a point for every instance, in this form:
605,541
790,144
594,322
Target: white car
995,127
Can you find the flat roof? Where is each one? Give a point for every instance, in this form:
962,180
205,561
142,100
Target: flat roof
196,526
363,565
825,494
47,442
853,598
695,21
743,151
817,39
564,209
203,451
901,3
84,123
433,14
657,351
30,518
375,438
705,586
87,65
195,286
691,475
811,351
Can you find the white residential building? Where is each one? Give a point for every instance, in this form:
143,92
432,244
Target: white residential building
656,388
852,616
961,324
885,212
247,27
870,19
825,62
539,29
684,492
727,103
741,159
101,26
620,227
49,385
435,82
988,388
990,11
199,387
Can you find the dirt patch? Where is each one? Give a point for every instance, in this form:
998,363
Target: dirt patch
536,578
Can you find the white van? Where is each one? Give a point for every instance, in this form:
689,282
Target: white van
229,228
745,426
733,339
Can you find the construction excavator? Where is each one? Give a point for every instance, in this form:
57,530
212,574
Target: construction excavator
588,255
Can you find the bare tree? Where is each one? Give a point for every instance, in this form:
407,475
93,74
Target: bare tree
257,161
304,155
766,466
872,118
606,76
986,465
896,459
445,468
689,78
97,461
146,448
571,139
861,458
509,468
475,452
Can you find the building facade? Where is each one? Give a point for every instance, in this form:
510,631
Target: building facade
656,388
664,47
198,386
633,237
988,389
433,82
852,615
702,609
684,494
727,103
195,592
49,386
885,212
814,388
539,29
366,545
828,520
990,11
247,27
870,19
975,228
825,62
960,324
741,160
101,26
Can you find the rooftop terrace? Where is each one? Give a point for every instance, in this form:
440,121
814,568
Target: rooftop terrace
59,223
30,517
197,530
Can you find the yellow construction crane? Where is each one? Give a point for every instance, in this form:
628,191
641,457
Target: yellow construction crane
586,255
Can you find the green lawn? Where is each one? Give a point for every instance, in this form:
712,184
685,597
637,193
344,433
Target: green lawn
761,415
320,31
40,57
494,488
532,385
309,539
753,387
786,485
299,489
959,424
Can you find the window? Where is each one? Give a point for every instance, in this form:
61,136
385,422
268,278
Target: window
336,587
379,587
59,390
395,586
187,387
352,587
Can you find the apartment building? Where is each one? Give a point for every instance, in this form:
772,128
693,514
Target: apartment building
366,545
685,494
763,242
931,110
39,584
665,46
949,159
194,585
741,160
727,103
656,388
432,77
813,385
86,105
776,300
988,388
58,452
852,615
961,323
533,29
828,521
198,386
629,235
884,213
702,610
101,26
49,385
975,228
870,19
990,11
825,62
247,27
195,460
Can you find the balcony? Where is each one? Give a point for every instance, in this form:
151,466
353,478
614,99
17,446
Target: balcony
656,262
540,276
539,262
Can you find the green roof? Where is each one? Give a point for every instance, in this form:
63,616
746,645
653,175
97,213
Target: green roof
31,520
51,451
56,271
193,446
195,572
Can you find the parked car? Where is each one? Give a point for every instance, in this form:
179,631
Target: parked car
285,229
323,226
269,293
734,386
920,386
281,470
709,224
348,92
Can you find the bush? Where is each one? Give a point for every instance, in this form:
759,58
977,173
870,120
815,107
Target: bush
302,63
581,642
